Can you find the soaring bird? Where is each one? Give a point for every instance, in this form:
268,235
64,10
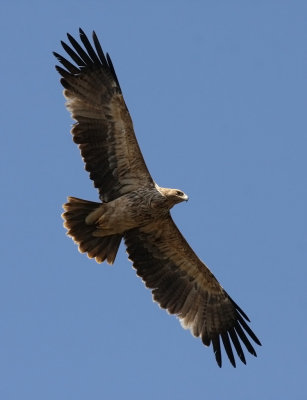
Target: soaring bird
133,207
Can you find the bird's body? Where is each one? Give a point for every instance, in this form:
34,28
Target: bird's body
134,208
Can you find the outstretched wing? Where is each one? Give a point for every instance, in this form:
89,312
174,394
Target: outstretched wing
104,129
184,286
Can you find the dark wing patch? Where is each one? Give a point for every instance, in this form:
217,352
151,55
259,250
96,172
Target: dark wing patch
104,129
184,286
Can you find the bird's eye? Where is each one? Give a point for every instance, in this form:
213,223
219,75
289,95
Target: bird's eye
179,193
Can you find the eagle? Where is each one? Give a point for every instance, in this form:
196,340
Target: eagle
133,207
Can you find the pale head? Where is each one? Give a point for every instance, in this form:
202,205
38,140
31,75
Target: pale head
174,196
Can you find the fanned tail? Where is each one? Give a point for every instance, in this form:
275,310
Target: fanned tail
100,248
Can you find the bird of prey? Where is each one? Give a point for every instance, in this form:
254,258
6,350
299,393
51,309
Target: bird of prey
133,207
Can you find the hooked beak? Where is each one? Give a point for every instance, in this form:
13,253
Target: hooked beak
186,198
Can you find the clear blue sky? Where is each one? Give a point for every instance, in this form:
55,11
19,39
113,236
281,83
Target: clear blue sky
217,91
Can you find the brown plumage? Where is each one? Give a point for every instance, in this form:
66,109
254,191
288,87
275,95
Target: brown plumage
135,208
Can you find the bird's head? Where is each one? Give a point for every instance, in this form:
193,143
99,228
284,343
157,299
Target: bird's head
174,196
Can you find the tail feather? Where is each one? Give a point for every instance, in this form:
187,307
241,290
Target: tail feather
100,248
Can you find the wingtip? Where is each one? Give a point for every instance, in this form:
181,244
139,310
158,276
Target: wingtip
94,36
254,353
56,55
257,340
239,309
64,45
218,358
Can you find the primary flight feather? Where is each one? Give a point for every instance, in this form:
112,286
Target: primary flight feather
134,208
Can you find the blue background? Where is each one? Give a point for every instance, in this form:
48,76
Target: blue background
217,92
